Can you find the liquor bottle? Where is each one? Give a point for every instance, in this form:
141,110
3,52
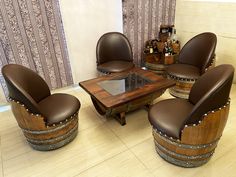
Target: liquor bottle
151,50
175,43
154,44
169,37
168,55
174,36
166,49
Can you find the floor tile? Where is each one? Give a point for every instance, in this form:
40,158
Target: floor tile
136,130
88,118
12,137
146,152
1,164
14,144
90,147
83,97
127,164
157,166
105,148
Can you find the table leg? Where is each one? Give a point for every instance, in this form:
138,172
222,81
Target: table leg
121,118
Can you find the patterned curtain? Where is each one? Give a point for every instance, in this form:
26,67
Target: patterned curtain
31,34
142,20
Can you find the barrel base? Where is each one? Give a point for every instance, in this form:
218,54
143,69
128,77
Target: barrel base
54,137
40,135
183,155
49,147
179,94
182,87
197,142
178,162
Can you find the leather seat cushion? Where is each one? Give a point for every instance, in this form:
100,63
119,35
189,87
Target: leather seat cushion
58,107
184,71
115,66
169,116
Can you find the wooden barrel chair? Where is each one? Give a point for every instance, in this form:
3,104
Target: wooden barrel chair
186,132
197,56
114,53
47,121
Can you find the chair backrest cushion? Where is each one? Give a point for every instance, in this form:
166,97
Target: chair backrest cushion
199,51
113,46
25,86
210,91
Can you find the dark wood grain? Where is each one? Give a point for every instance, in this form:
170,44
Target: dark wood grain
40,135
109,101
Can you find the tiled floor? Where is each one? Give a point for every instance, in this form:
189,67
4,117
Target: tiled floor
103,148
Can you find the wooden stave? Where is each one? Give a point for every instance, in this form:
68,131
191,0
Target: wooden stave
55,145
37,137
181,89
126,107
55,139
180,153
183,85
185,159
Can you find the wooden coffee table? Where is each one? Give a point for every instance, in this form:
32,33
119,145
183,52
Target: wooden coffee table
116,94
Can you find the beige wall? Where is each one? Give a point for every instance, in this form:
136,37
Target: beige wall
195,17
84,22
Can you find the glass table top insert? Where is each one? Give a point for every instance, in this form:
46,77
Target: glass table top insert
124,84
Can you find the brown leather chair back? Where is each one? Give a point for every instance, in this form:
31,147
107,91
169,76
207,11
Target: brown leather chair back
210,91
199,51
113,46
25,86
